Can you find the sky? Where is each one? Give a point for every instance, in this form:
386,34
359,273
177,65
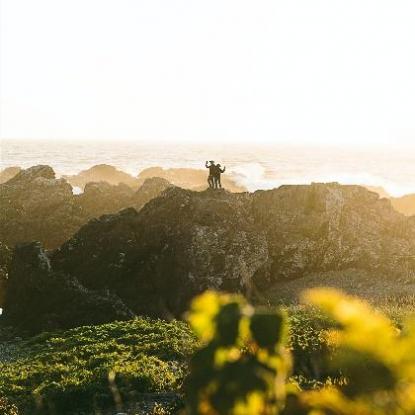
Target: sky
217,71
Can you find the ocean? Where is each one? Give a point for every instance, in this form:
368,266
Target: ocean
254,166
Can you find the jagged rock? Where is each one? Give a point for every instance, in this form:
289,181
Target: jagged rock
102,173
101,198
193,179
150,189
38,298
178,245
184,242
8,173
326,227
34,205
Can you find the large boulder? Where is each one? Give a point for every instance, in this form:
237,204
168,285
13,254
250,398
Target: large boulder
178,245
102,173
38,298
325,227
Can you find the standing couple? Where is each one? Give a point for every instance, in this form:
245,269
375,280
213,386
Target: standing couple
215,171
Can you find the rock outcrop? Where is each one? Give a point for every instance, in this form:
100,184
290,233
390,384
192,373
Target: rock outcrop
183,242
186,178
178,245
38,298
102,173
8,173
326,227
35,205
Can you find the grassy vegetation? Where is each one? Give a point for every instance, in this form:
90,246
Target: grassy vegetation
90,367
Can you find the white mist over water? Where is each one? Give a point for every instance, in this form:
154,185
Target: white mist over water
255,167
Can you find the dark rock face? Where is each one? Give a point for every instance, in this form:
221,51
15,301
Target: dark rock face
8,173
102,173
34,205
184,242
178,245
38,298
192,179
325,227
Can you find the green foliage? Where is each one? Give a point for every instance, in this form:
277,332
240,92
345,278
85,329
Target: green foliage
93,367
6,408
242,365
247,371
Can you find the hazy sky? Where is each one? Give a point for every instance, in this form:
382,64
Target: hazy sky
302,71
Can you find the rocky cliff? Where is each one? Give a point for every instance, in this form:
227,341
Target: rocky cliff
35,205
183,242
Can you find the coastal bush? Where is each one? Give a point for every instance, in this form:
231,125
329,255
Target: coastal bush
244,364
95,367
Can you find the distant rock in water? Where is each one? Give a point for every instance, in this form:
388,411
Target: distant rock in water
405,204
35,205
8,173
102,173
192,179
38,298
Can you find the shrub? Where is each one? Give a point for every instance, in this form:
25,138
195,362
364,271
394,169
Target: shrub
243,365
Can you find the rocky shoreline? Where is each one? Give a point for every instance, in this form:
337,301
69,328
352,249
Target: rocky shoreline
112,252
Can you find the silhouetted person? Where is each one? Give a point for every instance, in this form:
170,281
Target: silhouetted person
212,171
216,178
